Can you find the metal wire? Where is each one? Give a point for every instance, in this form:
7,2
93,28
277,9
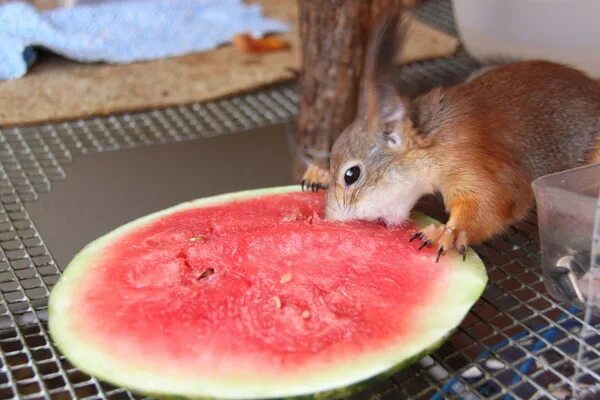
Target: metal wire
516,343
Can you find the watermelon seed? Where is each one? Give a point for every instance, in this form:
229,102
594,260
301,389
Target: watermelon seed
306,314
285,278
277,301
208,272
197,238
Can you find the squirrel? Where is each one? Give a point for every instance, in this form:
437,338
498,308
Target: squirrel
479,144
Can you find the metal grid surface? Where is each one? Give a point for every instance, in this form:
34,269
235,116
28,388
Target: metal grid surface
515,343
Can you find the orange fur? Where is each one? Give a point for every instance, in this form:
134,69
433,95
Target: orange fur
594,155
248,44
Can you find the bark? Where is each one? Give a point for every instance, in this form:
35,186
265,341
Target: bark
334,36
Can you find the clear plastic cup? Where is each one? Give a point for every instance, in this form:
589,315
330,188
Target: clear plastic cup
568,209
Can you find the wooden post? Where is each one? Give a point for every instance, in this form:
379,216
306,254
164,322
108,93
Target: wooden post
334,35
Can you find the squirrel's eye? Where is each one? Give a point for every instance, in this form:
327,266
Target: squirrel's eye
351,175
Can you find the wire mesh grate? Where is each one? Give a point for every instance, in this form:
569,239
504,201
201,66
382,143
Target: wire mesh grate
516,343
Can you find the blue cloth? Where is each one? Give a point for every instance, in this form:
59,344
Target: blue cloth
124,31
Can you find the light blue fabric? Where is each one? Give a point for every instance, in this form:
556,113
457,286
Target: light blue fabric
124,31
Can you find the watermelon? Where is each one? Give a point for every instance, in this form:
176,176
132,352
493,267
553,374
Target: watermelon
253,295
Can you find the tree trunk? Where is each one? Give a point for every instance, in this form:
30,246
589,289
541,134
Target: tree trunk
334,36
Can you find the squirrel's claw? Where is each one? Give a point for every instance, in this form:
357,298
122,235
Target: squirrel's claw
447,238
416,235
463,252
311,186
315,179
426,243
441,251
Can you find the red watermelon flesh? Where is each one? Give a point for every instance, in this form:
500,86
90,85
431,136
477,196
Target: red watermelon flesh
257,289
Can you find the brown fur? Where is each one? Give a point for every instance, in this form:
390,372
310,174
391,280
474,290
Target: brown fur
479,144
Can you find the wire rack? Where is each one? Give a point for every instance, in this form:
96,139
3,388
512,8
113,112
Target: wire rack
516,343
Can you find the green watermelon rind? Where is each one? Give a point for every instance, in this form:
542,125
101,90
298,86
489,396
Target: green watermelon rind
464,289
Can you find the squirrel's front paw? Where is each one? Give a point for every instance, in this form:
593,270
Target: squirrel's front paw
315,178
445,237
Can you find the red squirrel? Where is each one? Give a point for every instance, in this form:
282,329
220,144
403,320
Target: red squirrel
480,144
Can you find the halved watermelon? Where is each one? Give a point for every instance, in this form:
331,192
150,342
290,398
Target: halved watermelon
252,295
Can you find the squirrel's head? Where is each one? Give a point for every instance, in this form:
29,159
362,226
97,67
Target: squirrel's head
377,164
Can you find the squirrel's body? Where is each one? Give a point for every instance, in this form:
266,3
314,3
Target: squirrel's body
545,115
480,144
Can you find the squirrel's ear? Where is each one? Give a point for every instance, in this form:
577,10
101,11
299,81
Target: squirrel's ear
391,126
380,100
395,109
393,139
